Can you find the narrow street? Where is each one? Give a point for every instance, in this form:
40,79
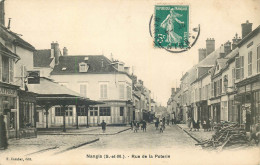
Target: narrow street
151,139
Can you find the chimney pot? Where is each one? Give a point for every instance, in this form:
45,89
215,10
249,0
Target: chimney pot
65,51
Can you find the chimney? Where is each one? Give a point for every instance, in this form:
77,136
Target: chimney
202,54
227,48
55,47
65,51
235,41
210,45
246,28
141,82
2,12
126,69
173,91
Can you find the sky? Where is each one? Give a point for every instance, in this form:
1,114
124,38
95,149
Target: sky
121,28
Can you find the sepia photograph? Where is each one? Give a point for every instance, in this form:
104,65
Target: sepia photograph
130,82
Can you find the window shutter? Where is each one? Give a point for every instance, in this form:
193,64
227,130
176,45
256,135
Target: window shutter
11,70
237,63
83,90
258,59
242,66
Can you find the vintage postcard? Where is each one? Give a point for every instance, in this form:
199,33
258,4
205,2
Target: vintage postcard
130,82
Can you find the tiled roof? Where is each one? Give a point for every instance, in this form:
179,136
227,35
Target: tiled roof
70,65
208,61
7,51
42,58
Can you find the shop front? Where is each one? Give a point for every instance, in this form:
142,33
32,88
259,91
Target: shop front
27,122
8,108
248,102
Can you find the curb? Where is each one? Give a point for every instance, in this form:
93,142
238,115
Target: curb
198,141
43,150
86,133
77,146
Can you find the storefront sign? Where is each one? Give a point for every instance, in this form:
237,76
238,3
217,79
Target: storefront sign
8,92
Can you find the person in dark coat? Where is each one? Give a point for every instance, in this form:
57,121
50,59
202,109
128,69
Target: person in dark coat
144,126
156,124
3,138
103,125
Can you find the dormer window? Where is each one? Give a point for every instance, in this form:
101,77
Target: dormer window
83,67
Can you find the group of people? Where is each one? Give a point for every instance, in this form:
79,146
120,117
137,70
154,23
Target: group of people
3,137
161,123
135,125
207,124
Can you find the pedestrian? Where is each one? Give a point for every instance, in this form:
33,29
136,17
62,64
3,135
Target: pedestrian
156,124
144,126
189,123
103,125
135,127
207,124
204,125
211,124
3,138
161,126
193,124
168,121
131,124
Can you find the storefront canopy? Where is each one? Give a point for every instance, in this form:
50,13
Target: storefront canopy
51,93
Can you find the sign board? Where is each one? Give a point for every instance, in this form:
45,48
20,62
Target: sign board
33,77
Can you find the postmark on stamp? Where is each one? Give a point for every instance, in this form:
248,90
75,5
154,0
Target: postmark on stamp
171,27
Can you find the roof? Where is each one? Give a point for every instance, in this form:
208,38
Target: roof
208,61
49,87
71,63
6,51
42,58
18,40
97,64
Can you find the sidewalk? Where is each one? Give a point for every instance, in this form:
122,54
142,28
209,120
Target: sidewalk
196,135
110,130
54,140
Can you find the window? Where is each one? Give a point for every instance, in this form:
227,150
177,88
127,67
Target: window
5,69
23,75
225,82
242,66
258,59
83,67
220,86
233,76
82,111
237,63
250,63
128,92
93,111
121,111
83,90
104,111
11,70
121,91
60,112
103,91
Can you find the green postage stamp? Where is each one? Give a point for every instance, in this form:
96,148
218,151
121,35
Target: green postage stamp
171,26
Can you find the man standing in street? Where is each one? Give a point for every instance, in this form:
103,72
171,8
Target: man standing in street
144,126
3,138
103,125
